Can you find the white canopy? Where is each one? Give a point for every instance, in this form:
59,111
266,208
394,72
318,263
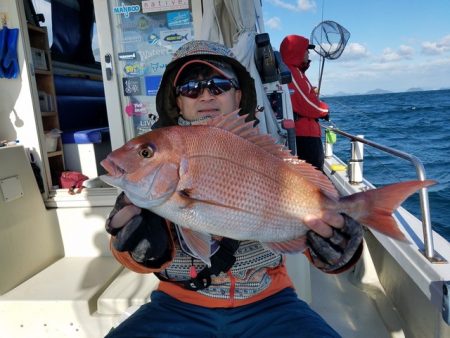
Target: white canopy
234,23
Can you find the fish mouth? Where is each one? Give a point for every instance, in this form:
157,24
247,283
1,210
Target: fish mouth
112,168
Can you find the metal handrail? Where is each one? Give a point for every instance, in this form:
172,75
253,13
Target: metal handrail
420,171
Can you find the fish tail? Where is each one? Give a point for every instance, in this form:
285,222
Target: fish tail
374,208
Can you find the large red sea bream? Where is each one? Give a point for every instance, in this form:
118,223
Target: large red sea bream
227,179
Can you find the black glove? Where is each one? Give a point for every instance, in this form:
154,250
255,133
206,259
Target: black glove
145,236
326,117
331,254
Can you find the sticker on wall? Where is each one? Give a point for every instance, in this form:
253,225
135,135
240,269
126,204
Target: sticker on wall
177,36
131,37
134,69
136,108
125,56
153,39
131,86
144,123
142,23
125,10
155,67
178,19
152,118
152,52
152,84
150,6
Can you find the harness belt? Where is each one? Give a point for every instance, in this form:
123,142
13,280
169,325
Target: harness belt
221,261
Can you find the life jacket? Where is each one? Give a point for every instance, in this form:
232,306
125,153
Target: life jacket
256,273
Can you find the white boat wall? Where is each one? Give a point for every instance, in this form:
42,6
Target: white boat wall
58,278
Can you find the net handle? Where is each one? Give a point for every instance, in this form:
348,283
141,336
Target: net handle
320,74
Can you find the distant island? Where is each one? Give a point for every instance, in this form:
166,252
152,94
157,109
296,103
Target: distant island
381,91
415,89
370,92
378,91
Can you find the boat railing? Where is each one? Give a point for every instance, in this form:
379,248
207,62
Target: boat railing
356,176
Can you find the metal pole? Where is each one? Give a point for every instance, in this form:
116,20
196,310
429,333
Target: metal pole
423,193
320,76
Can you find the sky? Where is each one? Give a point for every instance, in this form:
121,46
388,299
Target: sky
394,45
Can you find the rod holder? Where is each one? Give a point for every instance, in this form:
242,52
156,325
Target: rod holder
356,162
330,139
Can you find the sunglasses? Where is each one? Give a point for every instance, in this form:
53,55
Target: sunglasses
216,86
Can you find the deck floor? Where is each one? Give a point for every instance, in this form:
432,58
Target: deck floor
349,310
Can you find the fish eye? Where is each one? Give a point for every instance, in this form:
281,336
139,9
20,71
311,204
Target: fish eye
146,152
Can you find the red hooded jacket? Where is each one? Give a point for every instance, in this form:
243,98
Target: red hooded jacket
305,102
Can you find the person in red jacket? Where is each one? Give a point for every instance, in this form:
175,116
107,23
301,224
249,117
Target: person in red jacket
307,106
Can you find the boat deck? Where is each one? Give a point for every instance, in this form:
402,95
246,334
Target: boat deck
350,310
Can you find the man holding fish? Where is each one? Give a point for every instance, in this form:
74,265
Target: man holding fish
206,210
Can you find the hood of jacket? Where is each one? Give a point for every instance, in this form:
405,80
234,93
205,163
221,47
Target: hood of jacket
201,50
293,49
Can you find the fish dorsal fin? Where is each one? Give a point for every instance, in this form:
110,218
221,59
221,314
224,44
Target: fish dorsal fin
235,123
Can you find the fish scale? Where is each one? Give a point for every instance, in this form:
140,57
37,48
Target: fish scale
251,179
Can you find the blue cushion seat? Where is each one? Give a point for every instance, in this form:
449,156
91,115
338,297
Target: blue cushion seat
95,135
82,110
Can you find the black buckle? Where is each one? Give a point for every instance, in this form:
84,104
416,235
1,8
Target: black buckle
198,283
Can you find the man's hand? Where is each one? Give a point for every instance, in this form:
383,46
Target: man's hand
333,240
122,214
140,232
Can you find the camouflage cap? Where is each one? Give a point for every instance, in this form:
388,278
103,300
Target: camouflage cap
201,50
221,67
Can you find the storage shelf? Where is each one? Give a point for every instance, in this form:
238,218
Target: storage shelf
37,29
49,113
42,72
50,119
55,153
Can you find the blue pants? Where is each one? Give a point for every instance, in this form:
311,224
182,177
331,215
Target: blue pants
281,315
311,150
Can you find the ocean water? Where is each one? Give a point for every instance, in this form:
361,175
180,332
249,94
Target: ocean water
413,122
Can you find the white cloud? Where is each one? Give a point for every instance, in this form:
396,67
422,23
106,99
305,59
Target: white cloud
402,53
405,51
394,76
273,23
435,48
299,6
354,51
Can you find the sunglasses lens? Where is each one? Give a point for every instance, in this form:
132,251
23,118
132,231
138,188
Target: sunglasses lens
219,86
193,89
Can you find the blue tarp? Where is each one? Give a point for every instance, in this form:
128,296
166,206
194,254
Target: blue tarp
9,65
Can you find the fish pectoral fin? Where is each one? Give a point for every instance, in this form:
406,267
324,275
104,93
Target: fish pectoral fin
198,242
291,246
